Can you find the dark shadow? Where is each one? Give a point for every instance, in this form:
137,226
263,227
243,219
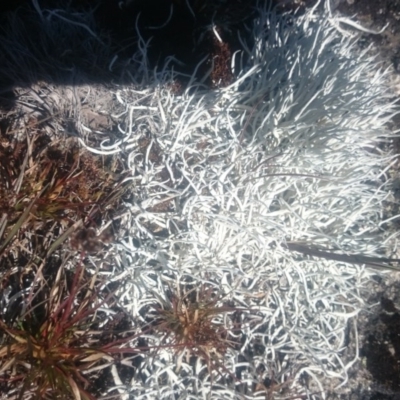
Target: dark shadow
74,42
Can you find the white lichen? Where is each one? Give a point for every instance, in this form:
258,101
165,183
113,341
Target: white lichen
288,152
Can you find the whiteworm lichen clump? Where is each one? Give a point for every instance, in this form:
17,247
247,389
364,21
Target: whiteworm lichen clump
288,152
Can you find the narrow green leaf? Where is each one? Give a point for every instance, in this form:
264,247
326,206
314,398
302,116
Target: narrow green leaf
74,388
7,365
24,217
97,356
63,237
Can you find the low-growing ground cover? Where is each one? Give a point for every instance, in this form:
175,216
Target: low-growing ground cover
210,234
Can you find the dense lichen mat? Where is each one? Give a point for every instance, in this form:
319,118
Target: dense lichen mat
181,206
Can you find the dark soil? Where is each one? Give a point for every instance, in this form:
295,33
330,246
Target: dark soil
179,34
382,349
377,375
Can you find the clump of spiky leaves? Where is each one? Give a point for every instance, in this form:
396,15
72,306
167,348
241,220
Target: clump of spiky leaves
55,347
191,320
49,187
46,182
